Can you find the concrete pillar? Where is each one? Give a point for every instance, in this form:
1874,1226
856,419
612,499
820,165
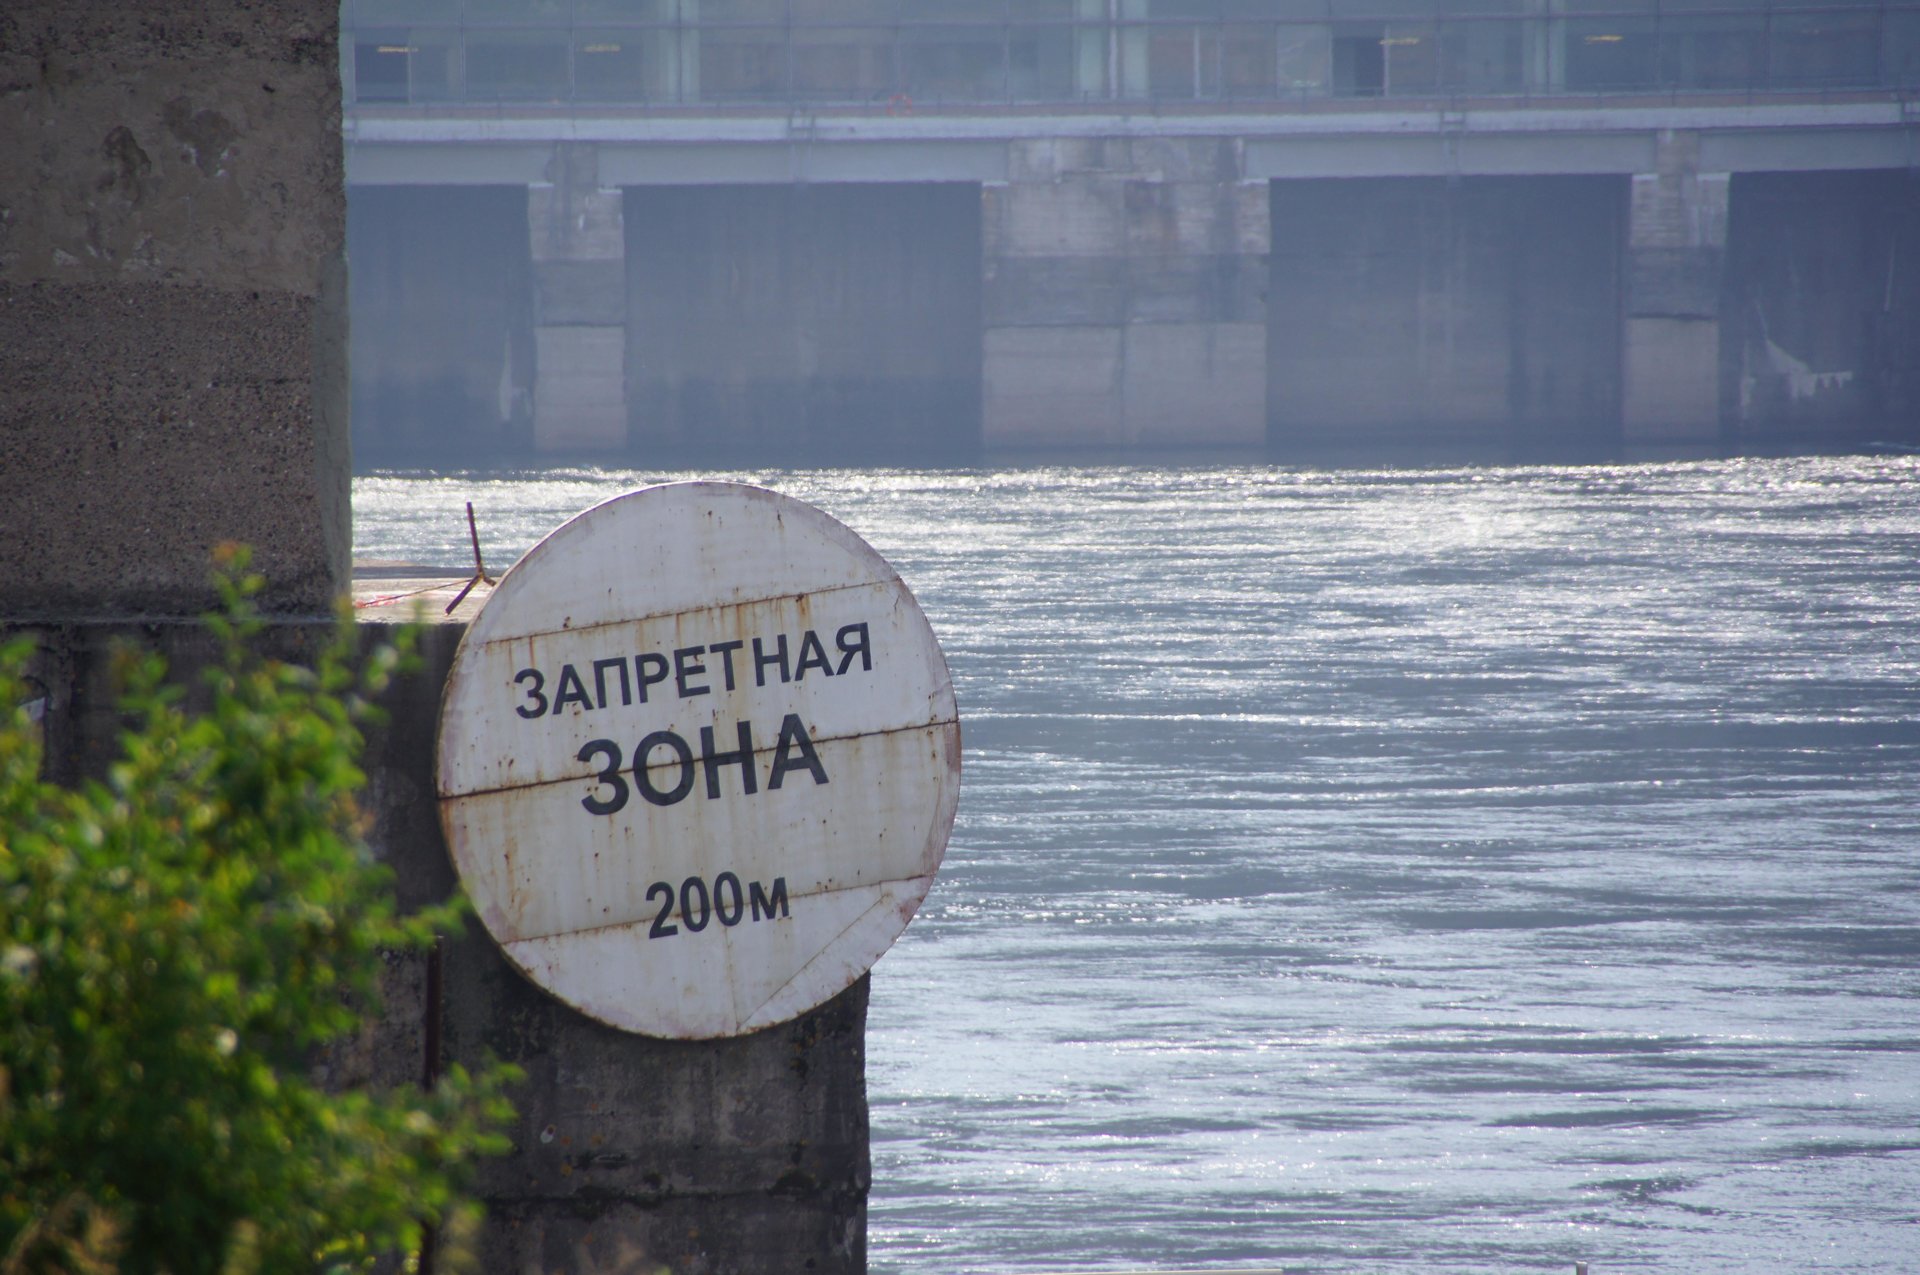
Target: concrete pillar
1676,244
172,304
1544,46
1124,301
580,306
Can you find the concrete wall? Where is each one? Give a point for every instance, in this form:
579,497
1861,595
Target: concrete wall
1493,280
171,317
580,306
443,334
1822,306
1676,236
824,322
1418,310
1125,296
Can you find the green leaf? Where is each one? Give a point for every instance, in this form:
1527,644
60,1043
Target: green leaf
173,943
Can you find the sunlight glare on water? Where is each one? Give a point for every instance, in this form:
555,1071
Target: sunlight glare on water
1449,870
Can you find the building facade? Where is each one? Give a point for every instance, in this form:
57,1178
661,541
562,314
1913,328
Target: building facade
924,229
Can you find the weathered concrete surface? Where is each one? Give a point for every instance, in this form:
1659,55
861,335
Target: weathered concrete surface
1672,380
1125,295
580,307
1417,310
824,322
1040,377
745,1156
1677,236
740,1155
171,218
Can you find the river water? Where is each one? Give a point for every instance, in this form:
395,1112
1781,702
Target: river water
1429,870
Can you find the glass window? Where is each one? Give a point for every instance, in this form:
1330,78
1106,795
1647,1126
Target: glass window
743,64
1210,61
1303,60
521,12
380,66
1709,53
1480,57
834,12
1046,11
405,66
1383,9
395,12
1900,51
1610,55
844,64
1268,10
1645,8
434,64
615,66
1173,62
992,11
762,11
1825,50
523,65
955,64
1359,61
634,12
1412,58
1248,56
1041,63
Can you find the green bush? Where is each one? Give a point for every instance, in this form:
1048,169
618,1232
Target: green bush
177,944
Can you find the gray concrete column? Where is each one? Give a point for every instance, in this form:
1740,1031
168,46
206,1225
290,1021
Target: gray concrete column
580,306
1124,300
172,304
1544,46
1676,246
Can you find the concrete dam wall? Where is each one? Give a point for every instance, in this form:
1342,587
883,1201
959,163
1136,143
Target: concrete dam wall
1134,295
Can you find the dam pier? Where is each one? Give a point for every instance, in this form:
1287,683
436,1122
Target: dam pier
859,230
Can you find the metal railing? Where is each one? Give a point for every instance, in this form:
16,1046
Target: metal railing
1050,52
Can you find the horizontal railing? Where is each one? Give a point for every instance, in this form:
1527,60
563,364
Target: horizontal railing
581,56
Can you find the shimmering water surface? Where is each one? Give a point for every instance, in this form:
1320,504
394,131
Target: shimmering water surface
1445,870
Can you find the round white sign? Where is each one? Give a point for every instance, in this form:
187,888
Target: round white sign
698,760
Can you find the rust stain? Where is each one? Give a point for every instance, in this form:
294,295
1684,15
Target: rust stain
520,802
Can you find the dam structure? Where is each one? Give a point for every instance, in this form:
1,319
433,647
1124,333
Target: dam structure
924,231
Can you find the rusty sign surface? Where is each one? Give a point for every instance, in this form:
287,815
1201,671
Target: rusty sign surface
698,760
